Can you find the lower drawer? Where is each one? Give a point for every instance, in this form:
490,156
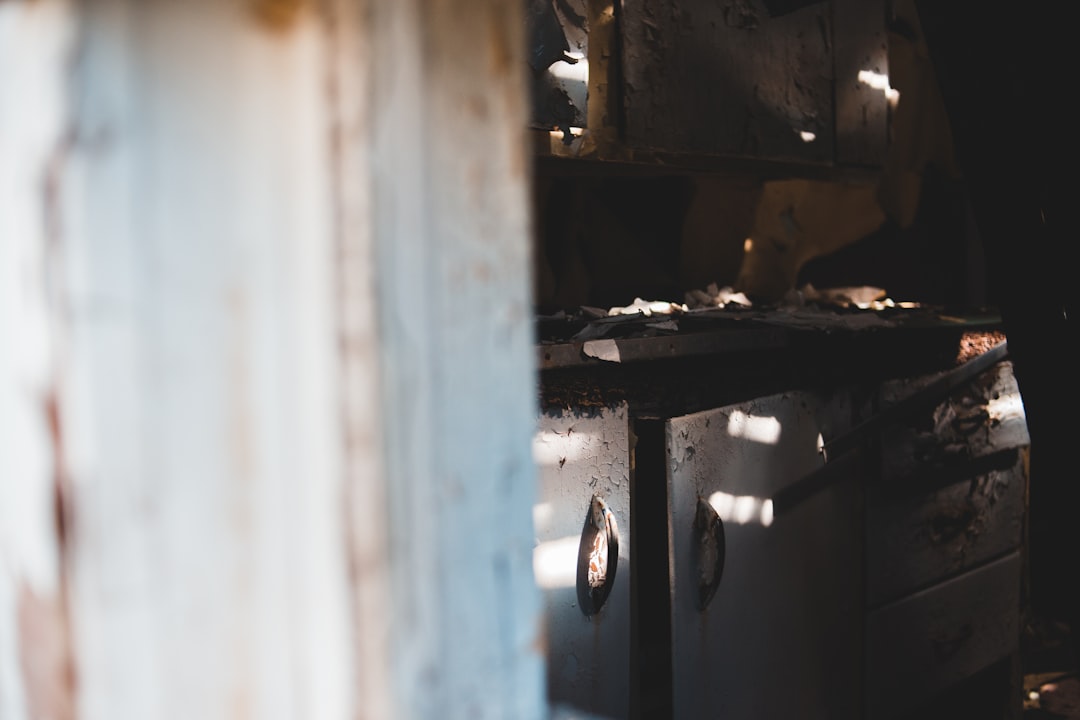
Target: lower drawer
924,643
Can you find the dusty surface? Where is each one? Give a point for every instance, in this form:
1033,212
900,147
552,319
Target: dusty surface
976,343
1051,681
1051,695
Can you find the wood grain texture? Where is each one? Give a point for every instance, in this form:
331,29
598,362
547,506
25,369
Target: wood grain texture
211,574
450,178
36,41
281,493
349,90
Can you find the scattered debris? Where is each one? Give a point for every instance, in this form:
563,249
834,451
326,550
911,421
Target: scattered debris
850,308
976,343
648,308
1056,694
862,297
606,350
716,297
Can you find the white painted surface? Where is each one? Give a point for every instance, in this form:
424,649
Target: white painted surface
781,637
35,44
579,455
289,310
350,89
210,564
450,175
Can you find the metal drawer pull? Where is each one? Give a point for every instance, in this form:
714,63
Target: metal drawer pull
598,557
710,547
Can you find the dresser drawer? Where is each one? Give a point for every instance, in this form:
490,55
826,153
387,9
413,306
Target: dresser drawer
933,639
915,538
980,418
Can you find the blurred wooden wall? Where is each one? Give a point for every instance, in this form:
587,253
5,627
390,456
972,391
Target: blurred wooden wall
266,384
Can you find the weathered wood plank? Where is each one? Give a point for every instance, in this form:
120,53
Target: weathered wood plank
983,417
862,112
36,39
350,89
219,347
450,173
726,79
933,639
211,574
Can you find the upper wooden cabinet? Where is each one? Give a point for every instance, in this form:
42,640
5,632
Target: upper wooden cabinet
687,81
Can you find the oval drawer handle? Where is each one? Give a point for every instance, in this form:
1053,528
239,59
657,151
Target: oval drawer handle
710,547
598,557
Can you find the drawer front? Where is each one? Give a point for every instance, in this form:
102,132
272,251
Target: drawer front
726,79
915,539
978,419
582,456
787,611
926,642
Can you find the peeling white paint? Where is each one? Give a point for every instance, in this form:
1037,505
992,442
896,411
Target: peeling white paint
607,350
588,659
1006,407
572,444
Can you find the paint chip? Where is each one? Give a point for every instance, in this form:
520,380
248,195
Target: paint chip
606,350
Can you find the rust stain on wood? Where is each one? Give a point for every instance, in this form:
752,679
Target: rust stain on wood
51,189
56,437
973,344
500,56
45,656
279,16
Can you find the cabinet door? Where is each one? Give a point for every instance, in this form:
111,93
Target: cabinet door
728,78
584,457
725,78
781,635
